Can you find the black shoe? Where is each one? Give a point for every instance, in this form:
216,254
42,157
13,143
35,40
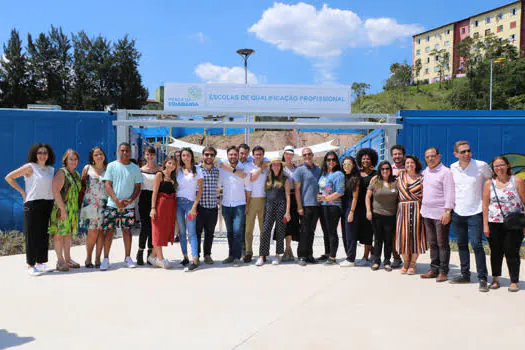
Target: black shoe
322,258
483,286
302,262
397,263
311,260
208,260
185,262
228,260
460,280
177,239
140,258
247,258
330,262
192,267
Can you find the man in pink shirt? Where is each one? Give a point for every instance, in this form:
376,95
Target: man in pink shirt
436,210
397,152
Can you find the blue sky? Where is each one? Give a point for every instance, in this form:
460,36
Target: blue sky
309,42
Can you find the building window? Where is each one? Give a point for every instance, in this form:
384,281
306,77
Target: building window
487,32
500,16
428,59
476,23
463,30
418,41
436,36
428,37
436,69
448,31
487,19
512,24
437,58
418,52
426,70
427,49
436,47
447,43
500,28
513,12
475,35
512,38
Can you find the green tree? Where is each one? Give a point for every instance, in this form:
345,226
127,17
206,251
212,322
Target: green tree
443,65
400,77
131,94
359,90
14,90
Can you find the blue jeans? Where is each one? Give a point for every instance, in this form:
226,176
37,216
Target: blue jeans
470,228
183,209
234,218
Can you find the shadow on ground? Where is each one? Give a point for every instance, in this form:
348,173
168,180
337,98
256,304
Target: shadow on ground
8,340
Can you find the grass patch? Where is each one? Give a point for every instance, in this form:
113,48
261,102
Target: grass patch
13,242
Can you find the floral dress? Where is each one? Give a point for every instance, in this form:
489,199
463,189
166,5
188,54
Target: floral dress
69,193
95,200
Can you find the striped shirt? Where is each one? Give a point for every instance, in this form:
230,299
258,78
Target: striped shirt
209,192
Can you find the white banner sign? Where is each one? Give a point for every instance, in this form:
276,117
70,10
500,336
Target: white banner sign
256,99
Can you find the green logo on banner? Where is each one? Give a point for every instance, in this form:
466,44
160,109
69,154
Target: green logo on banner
194,92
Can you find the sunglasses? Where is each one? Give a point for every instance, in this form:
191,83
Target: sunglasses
209,155
347,164
465,151
41,152
330,159
385,169
308,154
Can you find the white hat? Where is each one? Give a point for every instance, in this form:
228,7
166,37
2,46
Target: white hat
289,149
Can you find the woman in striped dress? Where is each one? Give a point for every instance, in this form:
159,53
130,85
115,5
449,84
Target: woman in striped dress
410,232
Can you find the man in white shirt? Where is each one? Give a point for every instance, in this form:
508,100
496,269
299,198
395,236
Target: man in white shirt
232,181
256,174
467,218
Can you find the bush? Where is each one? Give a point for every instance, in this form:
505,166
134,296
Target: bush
13,242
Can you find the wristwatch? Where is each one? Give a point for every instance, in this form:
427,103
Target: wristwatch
234,170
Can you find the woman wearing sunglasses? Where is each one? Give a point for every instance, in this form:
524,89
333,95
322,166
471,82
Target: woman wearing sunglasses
383,189
331,189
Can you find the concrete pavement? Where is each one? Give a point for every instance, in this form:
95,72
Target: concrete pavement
249,307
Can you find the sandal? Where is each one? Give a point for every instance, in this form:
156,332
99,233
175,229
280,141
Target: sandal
494,285
412,268
405,267
388,268
97,265
375,267
89,265
73,265
62,267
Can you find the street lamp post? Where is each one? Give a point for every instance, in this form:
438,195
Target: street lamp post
245,53
497,60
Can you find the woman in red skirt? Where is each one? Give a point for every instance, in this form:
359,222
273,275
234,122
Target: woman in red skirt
163,211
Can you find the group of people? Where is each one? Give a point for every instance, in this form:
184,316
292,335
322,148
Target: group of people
398,210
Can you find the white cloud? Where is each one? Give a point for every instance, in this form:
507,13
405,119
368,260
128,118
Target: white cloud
326,33
199,36
211,73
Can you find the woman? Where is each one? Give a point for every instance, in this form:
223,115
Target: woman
93,204
410,232
383,216
64,217
277,210
162,211
349,223
38,203
177,160
292,226
331,189
189,192
503,195
367,159
149,171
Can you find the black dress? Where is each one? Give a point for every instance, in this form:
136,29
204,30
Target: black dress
365,232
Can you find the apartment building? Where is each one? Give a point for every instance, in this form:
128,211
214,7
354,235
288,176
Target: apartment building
506,22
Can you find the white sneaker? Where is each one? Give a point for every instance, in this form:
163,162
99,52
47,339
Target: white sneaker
152,260
129,262
276,261
33,271
105,264
165,264
44,268
347,263
260,262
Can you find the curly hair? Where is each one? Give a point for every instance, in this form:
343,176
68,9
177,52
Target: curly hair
370,152
32,154
419,165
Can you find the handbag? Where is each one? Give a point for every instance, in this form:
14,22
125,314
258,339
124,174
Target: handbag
82,191
511,221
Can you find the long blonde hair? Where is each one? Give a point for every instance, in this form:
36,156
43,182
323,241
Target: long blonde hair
275,181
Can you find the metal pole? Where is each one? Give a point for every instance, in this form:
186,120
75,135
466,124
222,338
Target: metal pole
246,70
490,93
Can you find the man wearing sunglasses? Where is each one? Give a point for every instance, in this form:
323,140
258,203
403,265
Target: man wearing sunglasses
467,219
306,185
208,205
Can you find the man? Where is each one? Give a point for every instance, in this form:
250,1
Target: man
122,182
397,152
208,205
306,185
231,179
255,198
436,210
244,154
467,218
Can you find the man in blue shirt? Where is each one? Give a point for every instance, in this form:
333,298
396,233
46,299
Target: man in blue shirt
122,182
306,189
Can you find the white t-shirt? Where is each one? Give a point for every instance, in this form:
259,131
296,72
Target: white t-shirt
232,188
469,186
188,184
256,187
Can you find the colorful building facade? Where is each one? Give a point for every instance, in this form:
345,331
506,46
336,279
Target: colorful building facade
506,22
